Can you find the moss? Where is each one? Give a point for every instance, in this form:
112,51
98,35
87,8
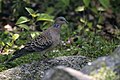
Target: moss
104,73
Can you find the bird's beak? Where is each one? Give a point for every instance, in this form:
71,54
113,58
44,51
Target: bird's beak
66,22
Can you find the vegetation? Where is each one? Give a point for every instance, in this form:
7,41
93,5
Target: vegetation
93,29
106,73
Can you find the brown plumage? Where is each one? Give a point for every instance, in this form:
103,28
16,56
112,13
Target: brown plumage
49,39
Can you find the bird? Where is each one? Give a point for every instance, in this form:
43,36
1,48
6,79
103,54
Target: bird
46,41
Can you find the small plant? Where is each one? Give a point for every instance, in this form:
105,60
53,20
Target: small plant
21,22
105,73
8,39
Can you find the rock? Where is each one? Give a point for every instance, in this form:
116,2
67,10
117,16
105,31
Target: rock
112,62
65,73
35,70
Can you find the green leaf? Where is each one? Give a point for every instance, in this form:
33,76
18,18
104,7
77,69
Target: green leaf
34,34
89,24
24,26
86,2
2,43
44,17
9,43
15,36
94,9
100,20
80,8
31,12
66,2
105,3
22,19
50,10
99,26
82,20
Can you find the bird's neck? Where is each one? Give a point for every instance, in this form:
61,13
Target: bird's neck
56,25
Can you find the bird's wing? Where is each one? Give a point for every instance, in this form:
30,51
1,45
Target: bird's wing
40,43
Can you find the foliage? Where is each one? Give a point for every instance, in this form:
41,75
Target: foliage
106,73
8,38
21,22
115,5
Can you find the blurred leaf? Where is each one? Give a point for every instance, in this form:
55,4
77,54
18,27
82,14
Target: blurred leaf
9,43
86,2
80,28
50,10
82,20
100,9
87,29
94,9
2,43
34,34
105,3
66,2
80,8
100,20
0,5
24,26
31,12
45,25
44,17
99,26
22,19
15,36
89,24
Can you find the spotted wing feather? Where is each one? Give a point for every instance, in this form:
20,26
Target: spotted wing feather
39,44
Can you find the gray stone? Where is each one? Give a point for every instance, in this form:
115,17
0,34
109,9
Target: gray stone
65,73
35,70
112,62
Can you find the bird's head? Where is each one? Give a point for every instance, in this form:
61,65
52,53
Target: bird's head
60,20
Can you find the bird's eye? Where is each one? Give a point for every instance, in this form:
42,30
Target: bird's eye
61,20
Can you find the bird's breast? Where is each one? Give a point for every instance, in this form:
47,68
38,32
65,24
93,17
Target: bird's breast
55,38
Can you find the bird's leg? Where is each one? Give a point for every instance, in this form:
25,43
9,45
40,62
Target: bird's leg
44,57
60,45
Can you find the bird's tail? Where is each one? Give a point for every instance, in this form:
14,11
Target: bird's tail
17,54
